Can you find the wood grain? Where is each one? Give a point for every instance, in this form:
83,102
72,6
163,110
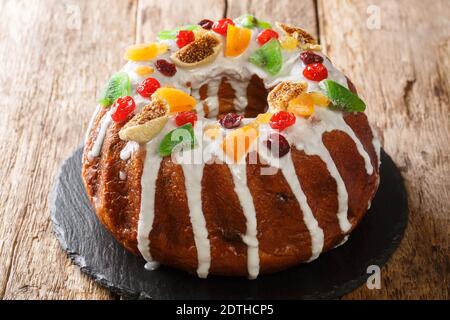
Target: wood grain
57,54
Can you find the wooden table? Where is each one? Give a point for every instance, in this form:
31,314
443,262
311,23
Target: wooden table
55,55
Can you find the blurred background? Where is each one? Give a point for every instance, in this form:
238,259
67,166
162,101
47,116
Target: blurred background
56,54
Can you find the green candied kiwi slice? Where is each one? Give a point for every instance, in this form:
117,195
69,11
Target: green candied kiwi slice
172,33
249,21
182,137
341,97
118,86
268,57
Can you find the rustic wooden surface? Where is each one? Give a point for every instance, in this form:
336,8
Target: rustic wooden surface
55,55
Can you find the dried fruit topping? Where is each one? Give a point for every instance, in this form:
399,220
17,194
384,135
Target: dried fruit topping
264,118
282,120
278,145
118,86
288,43
302,106
181,138
306,41
206,24
142,52
212,131
184,37
172,34
267,35
123,107
177,100
309,57
221,26
268,57
237,144
165,67
320,99
203,50
341,97
315,72
249,21
145,125
284,92
231,120
148,87
186,117
144,70
238,40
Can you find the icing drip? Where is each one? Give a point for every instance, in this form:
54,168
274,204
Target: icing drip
239,173
98,143
130,148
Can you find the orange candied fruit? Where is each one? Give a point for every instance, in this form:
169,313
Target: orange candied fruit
143,52
320,99
144,70
237,144
238,40
178,101
302,106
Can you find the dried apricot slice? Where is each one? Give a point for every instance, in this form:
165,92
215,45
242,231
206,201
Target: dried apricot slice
177,100
302,106
238,40
237,144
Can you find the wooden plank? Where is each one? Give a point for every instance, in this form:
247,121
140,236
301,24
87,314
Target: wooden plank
55,55
402,70
298,13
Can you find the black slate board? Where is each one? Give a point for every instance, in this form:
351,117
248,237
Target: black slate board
334,274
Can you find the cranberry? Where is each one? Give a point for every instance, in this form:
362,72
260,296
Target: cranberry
185,117
166,68
231,120
282,120
148,87
309,57
124,106
266,35
315,72
184,37
221,26
278,145
206,24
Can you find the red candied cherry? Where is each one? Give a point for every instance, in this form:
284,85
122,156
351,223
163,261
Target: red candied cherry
231,120
266,35
123,107
184,37
185,117
148,87
221,26
309,57
315,72
166,68
278,145
206,24
282,120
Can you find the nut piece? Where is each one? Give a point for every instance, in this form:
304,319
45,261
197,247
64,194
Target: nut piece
305,40
201,51
280,96
145,125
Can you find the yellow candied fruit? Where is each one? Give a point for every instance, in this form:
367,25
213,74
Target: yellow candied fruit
237,144
144,70
141,52
238,40
212,131
264,118
288,43
302,106
162,48
177,100
319,99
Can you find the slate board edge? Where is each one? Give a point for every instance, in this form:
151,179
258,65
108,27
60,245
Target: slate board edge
125,292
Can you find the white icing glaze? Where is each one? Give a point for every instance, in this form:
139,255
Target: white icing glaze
239,173
122,175
127,151
98,143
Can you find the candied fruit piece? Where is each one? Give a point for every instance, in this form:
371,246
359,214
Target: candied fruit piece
320,99
123,107
144,70
182,137
341,97
309,57
268,57
278,145
118,86
264,118
177,100
238,40
172,33
206,24
186,117
142,52
148,87
221,26
288,43
165,67
184,37
302,106
237,144
282,120
267,35
231,120
249,21
315,72
212,131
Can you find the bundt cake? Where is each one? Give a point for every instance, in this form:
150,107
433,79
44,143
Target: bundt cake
231,148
